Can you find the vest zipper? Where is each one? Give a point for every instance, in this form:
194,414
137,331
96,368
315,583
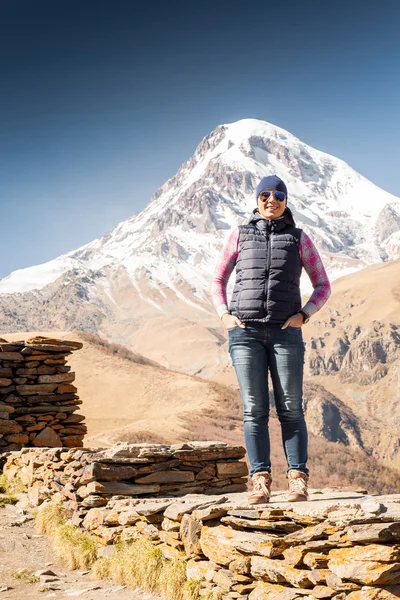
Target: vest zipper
268,230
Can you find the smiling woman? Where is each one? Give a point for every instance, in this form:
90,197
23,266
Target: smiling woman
264,323
271,204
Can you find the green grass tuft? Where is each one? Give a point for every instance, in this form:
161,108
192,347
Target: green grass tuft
25,575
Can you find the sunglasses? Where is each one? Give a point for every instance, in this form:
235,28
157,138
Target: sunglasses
280,196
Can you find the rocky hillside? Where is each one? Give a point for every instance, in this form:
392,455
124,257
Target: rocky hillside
354,355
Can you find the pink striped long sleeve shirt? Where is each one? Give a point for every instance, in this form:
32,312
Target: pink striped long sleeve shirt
310,259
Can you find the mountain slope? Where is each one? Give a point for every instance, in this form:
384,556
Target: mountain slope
160,261
126,394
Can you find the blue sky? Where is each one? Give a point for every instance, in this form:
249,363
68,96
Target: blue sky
101,102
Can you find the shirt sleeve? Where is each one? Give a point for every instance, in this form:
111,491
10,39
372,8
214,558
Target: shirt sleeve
314,268
223,269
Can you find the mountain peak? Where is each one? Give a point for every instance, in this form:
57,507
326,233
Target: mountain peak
166,253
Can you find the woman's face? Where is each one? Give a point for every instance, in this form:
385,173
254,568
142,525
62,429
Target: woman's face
270,208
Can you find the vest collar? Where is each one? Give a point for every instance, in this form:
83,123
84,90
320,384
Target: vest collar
271,224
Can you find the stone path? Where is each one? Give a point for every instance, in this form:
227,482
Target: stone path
21,547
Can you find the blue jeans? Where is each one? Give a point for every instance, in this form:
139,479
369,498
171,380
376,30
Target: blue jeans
254,350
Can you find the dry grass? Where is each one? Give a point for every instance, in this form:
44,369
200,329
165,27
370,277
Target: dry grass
137,564
25,575
117,349
9,489
76,548
142,564
4,485
9,499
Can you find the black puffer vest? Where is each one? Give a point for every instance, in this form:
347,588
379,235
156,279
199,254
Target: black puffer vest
268,270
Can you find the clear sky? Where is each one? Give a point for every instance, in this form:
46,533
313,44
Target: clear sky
101,102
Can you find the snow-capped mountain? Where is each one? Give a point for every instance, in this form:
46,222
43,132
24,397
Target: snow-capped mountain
165,255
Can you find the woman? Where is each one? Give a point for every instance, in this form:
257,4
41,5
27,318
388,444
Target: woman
264,322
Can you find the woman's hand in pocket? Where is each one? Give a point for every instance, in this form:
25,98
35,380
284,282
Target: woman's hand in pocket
231,321
294,321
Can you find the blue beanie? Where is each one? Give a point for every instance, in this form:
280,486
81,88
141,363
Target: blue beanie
272,182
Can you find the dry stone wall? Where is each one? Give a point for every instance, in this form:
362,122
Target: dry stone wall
38,401
87,478
340,544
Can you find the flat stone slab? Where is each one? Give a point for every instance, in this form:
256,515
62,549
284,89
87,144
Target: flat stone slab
335,506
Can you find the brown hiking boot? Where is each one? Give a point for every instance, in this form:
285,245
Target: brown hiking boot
297,486
261,488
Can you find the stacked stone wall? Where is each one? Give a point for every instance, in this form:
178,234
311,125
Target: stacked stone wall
340,544
38,401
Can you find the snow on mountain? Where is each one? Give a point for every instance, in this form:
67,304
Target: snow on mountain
167,252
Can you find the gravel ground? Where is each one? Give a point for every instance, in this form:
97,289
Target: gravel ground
21,547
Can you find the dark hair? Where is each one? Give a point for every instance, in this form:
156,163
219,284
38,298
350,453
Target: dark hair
289,214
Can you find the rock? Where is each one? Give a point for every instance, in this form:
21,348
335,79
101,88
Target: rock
8,426
128,517
373,564
257,513
294,555
11,356
52,344
103,472
223,545
48,579
72,441
123,450
169,525
321,531
323,591
115,488
370,593
4,382
231,469
171,539
207,472
58,378
318,576
211,512
287,526
148,509
176,510
200,569
167,477
35,388
148,530
47,437
270,591
276,571
315,560
241,565
226,580
338,584
190,531
210,453
18,438
369,533
66,388
94,518
216,544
